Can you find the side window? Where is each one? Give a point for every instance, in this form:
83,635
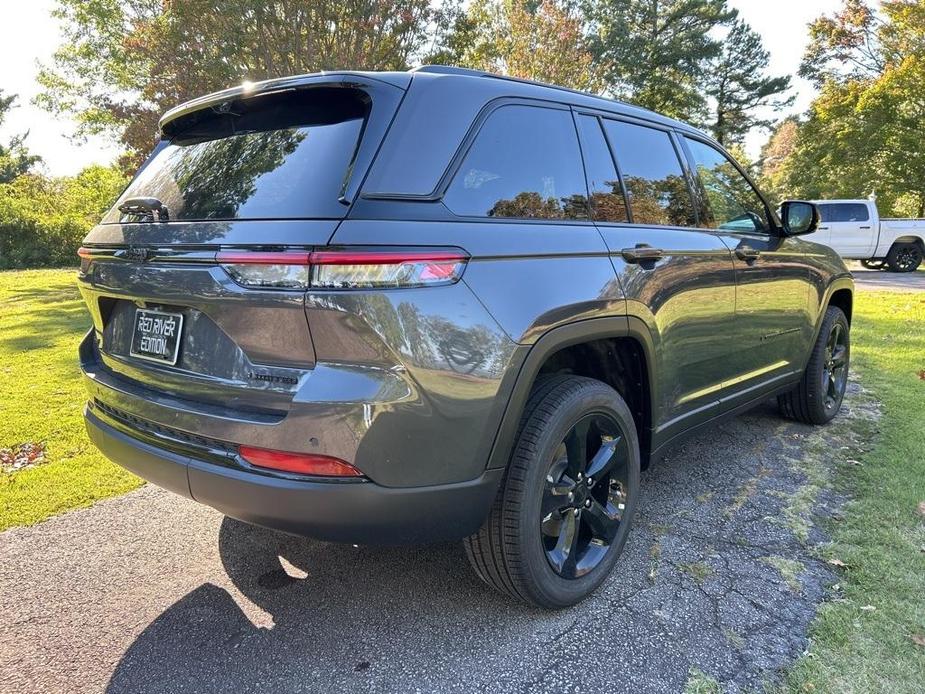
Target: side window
524,163
607,201
825,213
850,212
731,201
655,182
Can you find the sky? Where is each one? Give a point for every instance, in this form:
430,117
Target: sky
29,35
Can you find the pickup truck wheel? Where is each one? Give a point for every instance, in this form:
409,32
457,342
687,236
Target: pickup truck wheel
904,257
874,264
563,511
818,397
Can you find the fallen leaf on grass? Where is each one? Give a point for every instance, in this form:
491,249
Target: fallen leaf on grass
856,463
922,375
868,608
837,562
922,509
22,456
918,640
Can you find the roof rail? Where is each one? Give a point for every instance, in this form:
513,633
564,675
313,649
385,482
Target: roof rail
451,70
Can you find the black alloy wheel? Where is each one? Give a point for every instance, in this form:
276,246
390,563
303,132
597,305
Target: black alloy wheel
585,495
905,257
835,367
565,507
818,396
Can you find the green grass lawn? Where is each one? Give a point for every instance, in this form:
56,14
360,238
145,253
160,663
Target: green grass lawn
882,535
42,320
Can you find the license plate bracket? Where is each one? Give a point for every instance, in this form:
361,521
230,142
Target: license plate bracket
156,336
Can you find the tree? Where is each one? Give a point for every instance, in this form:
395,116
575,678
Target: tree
542,41
124,62
845,46
15,159
863,133
776,151
655,50
739,89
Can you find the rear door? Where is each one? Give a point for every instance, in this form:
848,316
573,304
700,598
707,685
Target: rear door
678,280
772,319
848,228
251,173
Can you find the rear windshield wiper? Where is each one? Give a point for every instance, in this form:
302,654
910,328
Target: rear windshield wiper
145,207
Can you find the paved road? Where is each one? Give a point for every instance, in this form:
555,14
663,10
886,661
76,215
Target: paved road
153,593
879,280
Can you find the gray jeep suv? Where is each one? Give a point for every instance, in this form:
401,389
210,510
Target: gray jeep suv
438,305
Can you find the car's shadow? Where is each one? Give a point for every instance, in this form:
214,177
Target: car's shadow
325,600
338,617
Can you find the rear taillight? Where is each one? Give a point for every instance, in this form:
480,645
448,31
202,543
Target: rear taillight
343,269
279,270
300,463
85,255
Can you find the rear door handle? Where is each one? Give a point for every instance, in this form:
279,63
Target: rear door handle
747,253
641,254
867,227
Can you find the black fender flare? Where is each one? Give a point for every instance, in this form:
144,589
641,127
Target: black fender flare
550,342
840,282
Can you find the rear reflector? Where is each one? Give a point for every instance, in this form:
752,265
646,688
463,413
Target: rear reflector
301,463
345,269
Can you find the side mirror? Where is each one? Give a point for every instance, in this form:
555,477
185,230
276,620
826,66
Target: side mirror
799,217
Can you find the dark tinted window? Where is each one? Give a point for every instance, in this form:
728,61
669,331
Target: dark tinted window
524,163
730,201
846,212
607,202
658,191
277,156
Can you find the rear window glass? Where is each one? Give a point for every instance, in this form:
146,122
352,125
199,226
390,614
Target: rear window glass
844,212
524,163
655,182
607,202
284,155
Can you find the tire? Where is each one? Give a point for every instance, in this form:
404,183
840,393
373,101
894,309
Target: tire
904,257
874,264
554,533
818,397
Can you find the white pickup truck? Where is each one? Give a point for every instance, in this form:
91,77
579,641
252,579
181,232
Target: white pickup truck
855,230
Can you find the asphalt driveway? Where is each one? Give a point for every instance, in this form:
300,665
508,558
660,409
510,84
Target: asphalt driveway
153,593
880,280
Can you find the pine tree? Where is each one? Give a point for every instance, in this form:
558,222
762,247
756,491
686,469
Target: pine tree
739,88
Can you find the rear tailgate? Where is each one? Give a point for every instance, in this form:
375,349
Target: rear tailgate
269,169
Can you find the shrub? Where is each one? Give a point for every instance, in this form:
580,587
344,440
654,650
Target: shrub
42,219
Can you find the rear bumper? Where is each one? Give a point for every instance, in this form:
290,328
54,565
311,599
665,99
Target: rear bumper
360,512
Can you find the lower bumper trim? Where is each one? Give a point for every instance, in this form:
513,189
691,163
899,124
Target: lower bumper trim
359,512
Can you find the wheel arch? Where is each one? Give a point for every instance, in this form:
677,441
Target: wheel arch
843,298
840,293
908,238
626,339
